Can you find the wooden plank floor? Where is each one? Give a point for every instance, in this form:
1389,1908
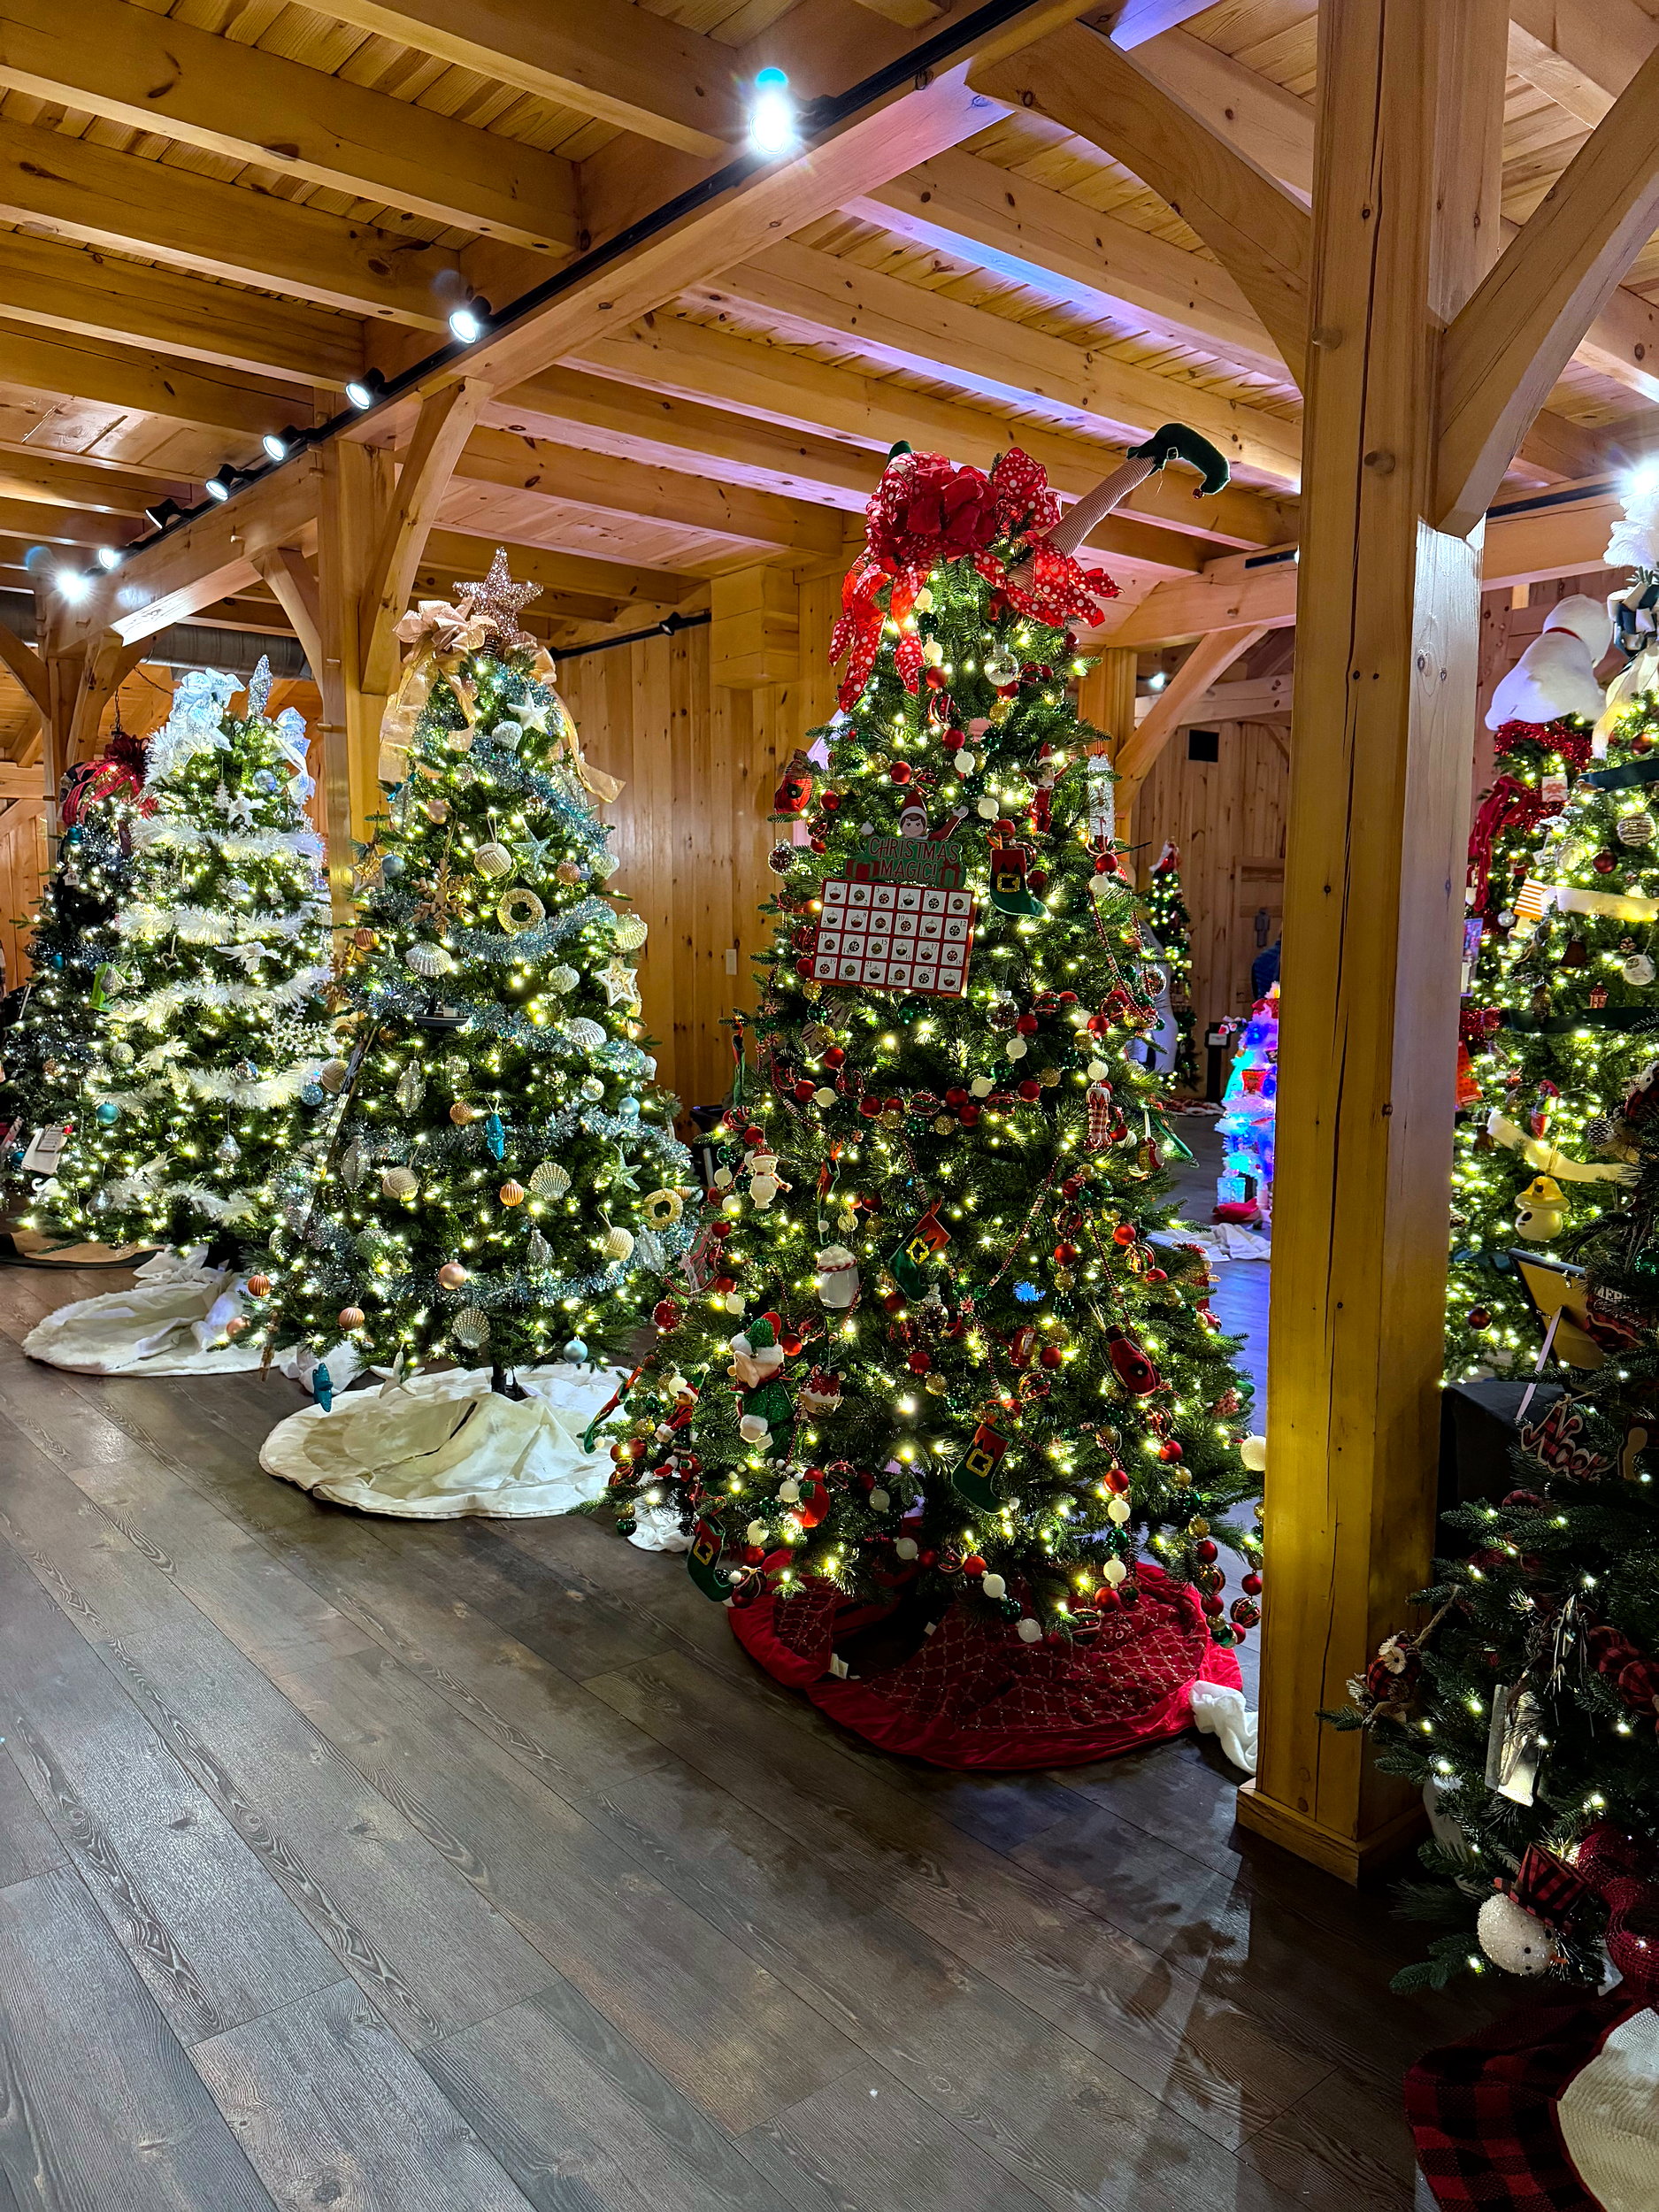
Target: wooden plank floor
462,1869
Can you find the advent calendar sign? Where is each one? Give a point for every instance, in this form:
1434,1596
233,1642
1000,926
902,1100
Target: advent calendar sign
897,919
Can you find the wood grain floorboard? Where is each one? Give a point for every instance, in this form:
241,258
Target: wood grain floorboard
552,1900
99,2106
332,2109
214,1939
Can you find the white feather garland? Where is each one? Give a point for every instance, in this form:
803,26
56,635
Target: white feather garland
157,1006
216,924
235,846
214,1087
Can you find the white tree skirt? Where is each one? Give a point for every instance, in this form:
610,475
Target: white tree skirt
446,1445
1607,2117
172,1321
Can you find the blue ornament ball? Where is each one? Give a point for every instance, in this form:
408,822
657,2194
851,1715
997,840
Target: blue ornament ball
109,1112
629,1110
576,1349
312,1094
265,779
73,836
392,864
1027,1294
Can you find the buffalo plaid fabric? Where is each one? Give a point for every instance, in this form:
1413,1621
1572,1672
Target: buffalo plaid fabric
1483,2111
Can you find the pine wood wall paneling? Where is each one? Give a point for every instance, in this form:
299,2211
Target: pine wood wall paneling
1218,812
24,862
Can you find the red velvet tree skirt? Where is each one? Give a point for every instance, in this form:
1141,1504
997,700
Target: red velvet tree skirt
974,1696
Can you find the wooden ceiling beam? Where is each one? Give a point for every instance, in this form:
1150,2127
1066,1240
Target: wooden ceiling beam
1581,54
154,73
976,212
126,377
60,286
451,555
27,666
601,416
689,360
445,423
35,522
1259,232
618,63
1505,349
73,480
77,190
1210,658
1276,130
617,486
812,294
900,126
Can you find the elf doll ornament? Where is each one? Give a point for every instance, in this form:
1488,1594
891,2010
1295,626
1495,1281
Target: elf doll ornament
968,1397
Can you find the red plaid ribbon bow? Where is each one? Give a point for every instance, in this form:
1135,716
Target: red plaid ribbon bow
926,510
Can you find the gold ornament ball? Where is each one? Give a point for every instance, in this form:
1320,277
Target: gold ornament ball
512,1194
451,1275
236,1328
567,871
350,1317
461,1113
259,1285
365,940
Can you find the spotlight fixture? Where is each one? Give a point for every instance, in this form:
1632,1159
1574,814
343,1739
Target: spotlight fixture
1157,681
165,514
771,121
470,320
1643,481
280,443
73,585
363,390
223,482
110,556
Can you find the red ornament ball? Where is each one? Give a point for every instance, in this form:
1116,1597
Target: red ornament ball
901,772
1205,1550
665,1314
1251,1585
1171,1452
1051,1356
869,1107
969,1115
1107,1600
973,1565
1211,1604
803,1092
1605,863
724,1283
831,801
918,1362
1479,1317
1027,1025
1030,1090
834,1056
1066,1253
720,1231
1124,1233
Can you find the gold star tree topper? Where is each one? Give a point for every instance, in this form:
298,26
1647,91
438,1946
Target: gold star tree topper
501,601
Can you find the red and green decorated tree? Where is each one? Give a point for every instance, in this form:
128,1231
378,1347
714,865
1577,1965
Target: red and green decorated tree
1172,925
951,1422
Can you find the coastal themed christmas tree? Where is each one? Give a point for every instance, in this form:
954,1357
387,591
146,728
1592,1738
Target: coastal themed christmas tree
214,1028
1528,1702
1172,925
1244,1189
962,1393
497,1181
47,1045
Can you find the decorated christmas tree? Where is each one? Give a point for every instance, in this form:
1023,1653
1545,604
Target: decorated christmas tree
47,1046
1540,1157
1528,1702
1172,925
957,1388
214,1025
1244,1189
498,1179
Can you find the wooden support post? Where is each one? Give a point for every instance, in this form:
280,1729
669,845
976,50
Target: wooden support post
1106,700
1384,692
1209,658
293,580
754,637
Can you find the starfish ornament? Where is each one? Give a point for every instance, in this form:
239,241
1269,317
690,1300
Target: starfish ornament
532,851
531,714
626,1174
499,599
621,985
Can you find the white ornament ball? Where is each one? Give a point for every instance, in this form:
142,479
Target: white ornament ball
733,1301
756,1533
576,1349
1639,969
879,1500
993,1586
1028,1631
982,1086
905,1548
790,1491
1117,1511
631,932
965,762
1253,1452
1114,1572
1512,1939
1098,1070
399,1182
988,809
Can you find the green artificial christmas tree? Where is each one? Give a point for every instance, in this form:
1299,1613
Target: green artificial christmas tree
214,1024
1541,1158
1172,925
499,1179
48,1043
933,1367
1528,1705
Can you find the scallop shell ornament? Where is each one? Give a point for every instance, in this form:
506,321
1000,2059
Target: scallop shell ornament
492,860
550,1181
399,1182
331,1075
428,960
631,932
470,1327
585,1034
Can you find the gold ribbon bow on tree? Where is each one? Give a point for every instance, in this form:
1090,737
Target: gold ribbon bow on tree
440,636
593,780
